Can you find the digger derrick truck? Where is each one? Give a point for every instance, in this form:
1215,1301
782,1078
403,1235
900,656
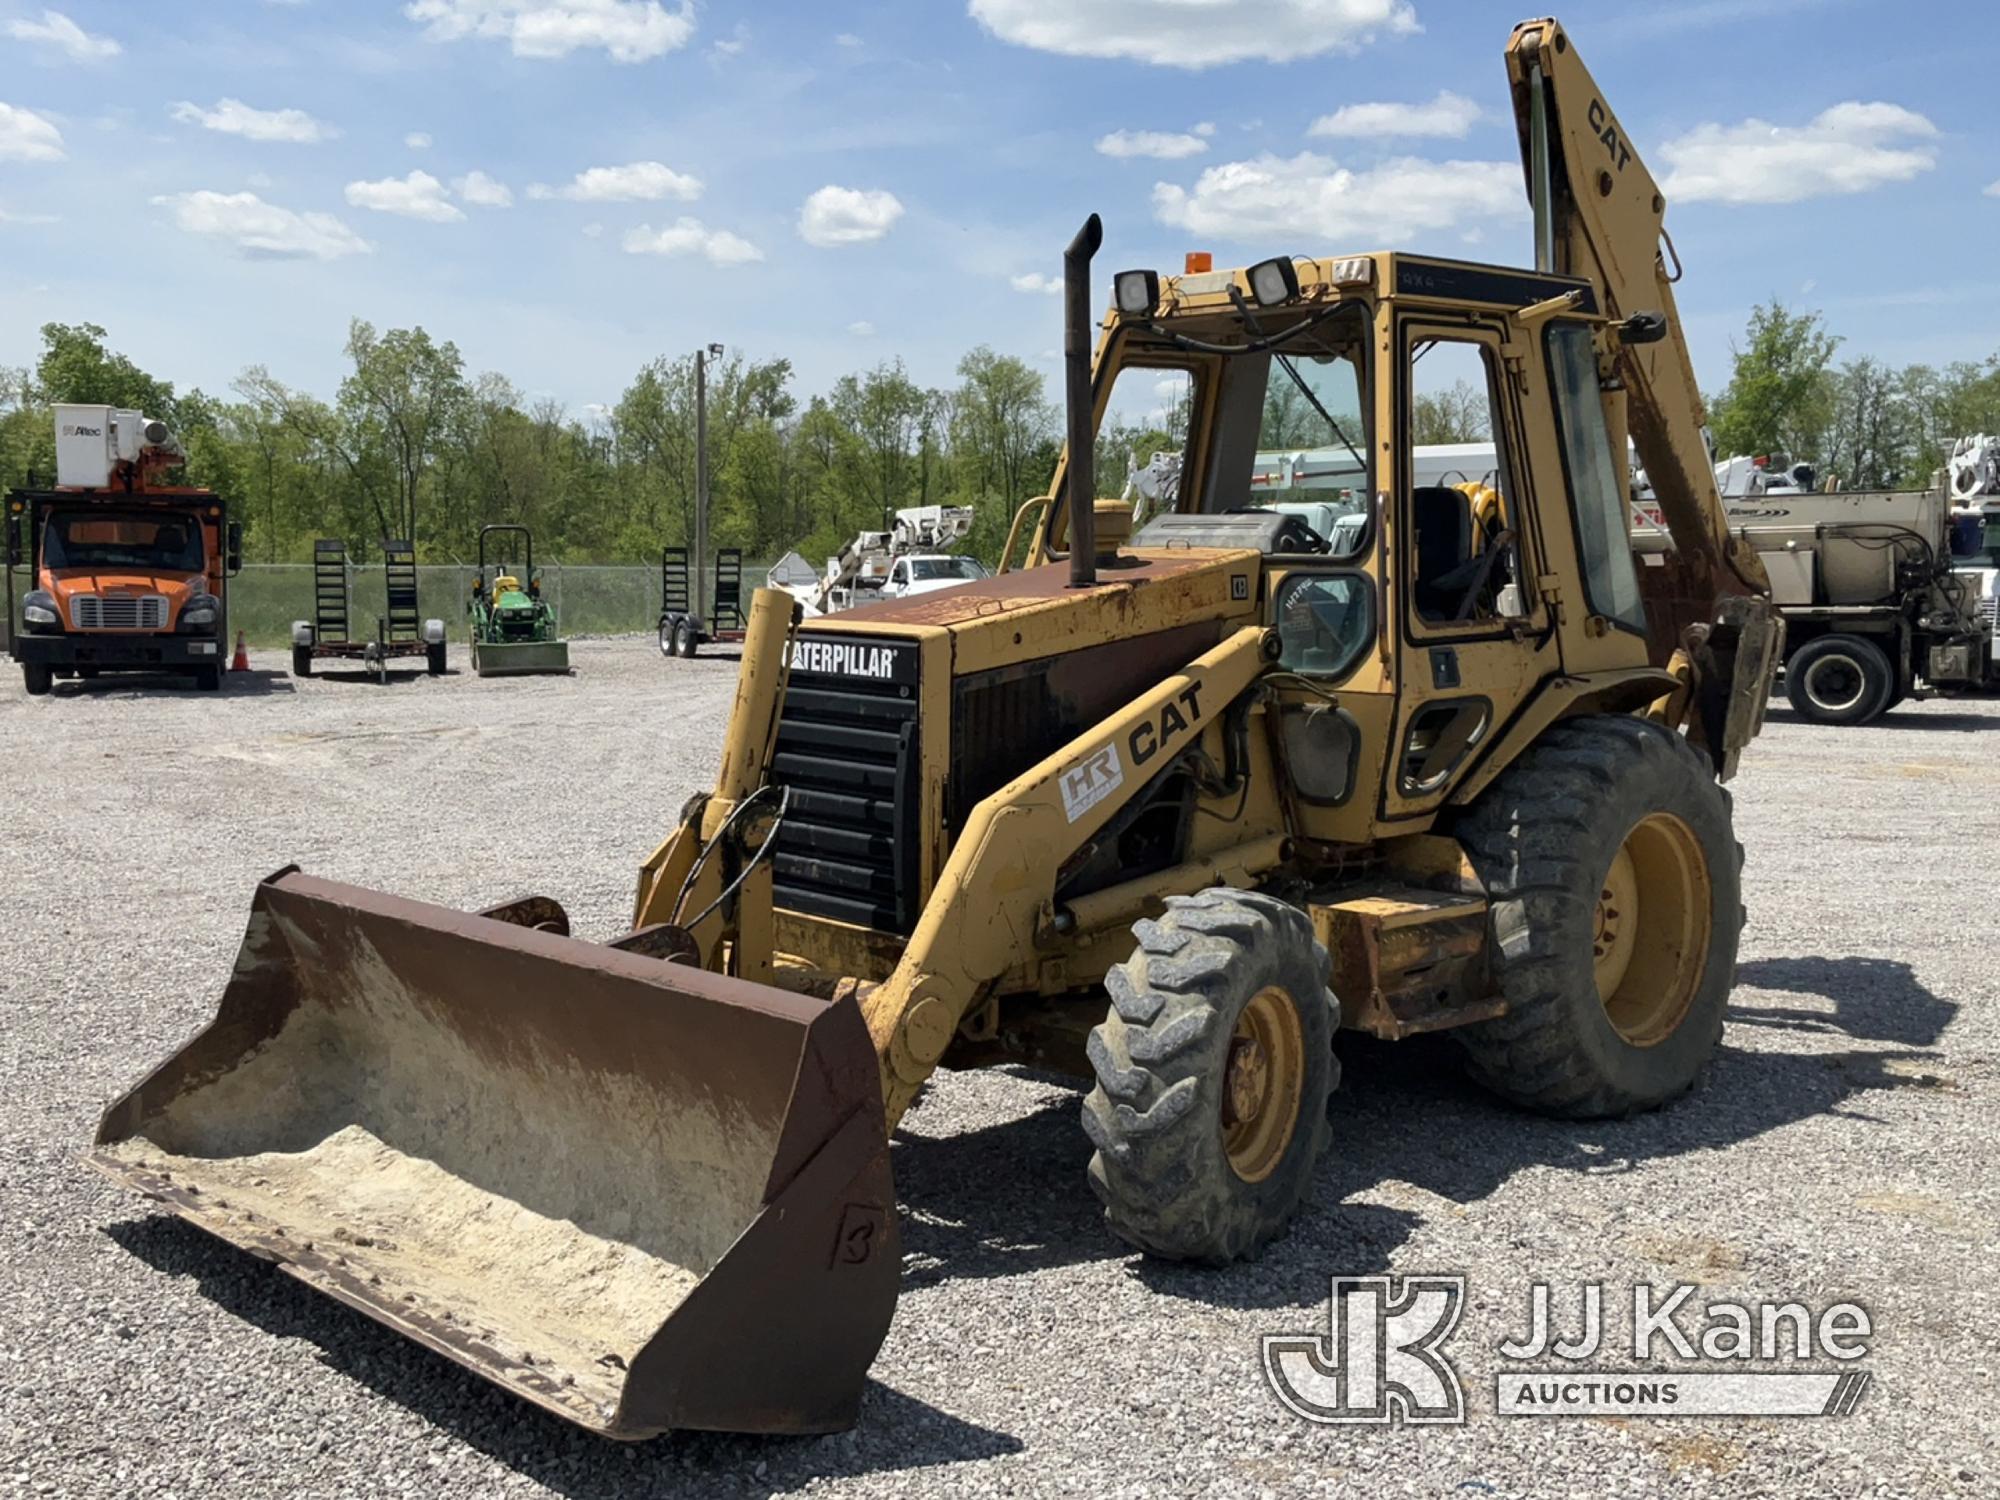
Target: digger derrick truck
1164,810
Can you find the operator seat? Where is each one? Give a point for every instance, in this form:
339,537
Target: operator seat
1441,520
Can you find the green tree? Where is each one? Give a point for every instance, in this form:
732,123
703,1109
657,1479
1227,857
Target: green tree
1781,392
402,400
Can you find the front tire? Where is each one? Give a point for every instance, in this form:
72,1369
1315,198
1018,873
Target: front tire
36,678
208,679
1213,1069
1839,679
1614,889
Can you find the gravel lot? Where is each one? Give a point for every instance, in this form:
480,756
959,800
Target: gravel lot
1840,1148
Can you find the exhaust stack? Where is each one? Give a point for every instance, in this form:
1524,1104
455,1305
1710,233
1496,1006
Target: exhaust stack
1080,476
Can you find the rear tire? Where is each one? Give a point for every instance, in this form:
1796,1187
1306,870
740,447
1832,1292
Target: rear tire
36,678
1610,864
1839,679
302,661
434,661
1213,1069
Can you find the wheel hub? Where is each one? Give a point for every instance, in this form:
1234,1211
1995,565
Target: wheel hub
1263,1083
1650,931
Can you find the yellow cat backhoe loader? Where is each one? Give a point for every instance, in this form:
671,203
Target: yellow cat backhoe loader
1164,807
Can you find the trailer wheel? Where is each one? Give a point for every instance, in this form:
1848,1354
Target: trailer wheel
1839,679
208,679
302,661
36,678
1213,1069
1613,881
687,640
669,645
434,662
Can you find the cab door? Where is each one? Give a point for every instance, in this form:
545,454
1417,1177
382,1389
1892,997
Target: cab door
1472,632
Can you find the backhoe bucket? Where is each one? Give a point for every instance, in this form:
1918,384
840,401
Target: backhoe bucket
518,658
639,1194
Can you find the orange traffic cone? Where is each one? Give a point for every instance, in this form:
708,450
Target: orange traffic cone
241,661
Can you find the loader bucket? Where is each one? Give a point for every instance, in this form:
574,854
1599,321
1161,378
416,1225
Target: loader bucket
636,1193
518,658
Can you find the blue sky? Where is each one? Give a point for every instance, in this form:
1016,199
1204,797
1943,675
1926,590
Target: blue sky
227,183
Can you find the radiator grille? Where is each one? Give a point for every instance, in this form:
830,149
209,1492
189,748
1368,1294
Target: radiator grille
131,612
847,749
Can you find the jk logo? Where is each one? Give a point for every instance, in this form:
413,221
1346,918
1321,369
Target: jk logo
1379,1359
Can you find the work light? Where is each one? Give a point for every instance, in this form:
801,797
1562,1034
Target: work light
1137,292
1273,282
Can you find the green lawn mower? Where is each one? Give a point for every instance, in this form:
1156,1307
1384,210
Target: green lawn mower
513,628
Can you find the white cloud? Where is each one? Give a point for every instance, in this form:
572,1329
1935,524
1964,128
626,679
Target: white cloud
1036,281
418,140
1193,35
631,31
1449,115
1161,145
635,182
27,136
691,237
862,329
592,230
234,117
263,230
57,30
1849,148
8,216
1311,196
1993,188
417,196
482,191
847,216
848,40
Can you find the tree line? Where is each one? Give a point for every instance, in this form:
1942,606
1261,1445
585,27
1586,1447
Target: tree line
1860,422
411,445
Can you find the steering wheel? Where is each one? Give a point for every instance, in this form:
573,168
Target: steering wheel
1319,543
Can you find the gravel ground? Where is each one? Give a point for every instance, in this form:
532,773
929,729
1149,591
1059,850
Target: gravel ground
1839,1148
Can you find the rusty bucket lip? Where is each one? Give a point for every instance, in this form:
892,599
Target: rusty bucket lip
829,1160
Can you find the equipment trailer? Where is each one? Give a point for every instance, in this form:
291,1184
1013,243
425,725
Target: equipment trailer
684,629
327,636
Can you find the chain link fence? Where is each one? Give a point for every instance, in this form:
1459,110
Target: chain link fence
265,598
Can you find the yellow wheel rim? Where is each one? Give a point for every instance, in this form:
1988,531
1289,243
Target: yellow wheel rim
1650,932
1263,1083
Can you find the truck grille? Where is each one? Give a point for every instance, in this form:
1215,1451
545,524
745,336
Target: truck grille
135,612
847,751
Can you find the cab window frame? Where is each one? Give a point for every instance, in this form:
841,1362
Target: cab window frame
1414,329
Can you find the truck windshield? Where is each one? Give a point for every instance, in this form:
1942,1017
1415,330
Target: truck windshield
167,544
937,569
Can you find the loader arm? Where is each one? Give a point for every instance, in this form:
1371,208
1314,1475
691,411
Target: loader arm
1599,214
991,898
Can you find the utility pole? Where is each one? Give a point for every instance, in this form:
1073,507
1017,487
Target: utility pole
699,602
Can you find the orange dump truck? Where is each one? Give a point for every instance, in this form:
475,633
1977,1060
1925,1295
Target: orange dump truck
112,570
